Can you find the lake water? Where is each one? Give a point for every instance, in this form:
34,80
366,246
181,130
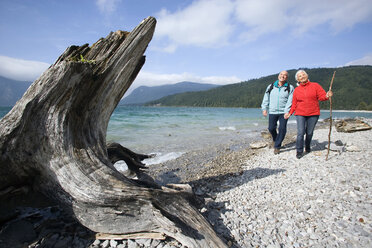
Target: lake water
171,131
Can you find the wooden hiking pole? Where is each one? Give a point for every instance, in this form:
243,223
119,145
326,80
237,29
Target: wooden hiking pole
330,115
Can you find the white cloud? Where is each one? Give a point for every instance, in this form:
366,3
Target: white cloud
261,17
153,79
22,70
298,17
339,14
366,60
107,6
218,22
203,23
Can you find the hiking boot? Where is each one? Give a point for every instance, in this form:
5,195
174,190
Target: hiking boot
299,155
276,151
307,150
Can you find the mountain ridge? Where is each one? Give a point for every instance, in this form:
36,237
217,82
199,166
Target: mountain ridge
352,90
11,91
144,94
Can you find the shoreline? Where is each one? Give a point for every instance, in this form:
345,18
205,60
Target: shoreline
224,159
254,198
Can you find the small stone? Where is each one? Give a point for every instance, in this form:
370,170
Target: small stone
132,244
97,242
113,243
353,148
258,144
105,244
144,242
155,242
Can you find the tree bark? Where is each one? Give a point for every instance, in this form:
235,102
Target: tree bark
54,139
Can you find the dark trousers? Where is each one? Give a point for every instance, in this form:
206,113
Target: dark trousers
278,137
305,125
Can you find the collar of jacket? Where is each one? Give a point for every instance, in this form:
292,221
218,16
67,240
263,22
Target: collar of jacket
307,83
276,84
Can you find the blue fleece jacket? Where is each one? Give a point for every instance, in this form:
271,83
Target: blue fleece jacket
279,100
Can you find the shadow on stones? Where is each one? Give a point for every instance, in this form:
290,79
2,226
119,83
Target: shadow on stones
315,146
168,177
288,147
29,219
318,146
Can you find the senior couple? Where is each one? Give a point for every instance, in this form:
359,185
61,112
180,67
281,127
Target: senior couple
281,100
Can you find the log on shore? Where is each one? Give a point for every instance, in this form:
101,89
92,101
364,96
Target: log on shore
54,141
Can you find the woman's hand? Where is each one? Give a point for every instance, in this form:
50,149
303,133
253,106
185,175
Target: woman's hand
329,94
264,113
286,115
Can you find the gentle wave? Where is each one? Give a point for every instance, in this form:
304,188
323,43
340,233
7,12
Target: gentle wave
161,158
231,128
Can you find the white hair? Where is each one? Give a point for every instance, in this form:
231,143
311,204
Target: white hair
300,71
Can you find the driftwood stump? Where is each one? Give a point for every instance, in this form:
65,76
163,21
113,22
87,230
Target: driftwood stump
54,140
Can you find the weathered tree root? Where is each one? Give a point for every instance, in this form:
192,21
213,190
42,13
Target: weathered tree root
54,139
117,152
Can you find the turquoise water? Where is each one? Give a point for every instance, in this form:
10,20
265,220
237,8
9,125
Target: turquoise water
172,131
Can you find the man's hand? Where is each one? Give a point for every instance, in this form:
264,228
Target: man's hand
286,115
264,113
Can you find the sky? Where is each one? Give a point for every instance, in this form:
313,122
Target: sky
204,41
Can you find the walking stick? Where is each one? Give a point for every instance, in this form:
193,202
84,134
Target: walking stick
330,116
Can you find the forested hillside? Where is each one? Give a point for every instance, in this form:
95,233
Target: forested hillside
352,89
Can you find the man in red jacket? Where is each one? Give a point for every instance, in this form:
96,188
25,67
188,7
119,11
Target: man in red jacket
305,105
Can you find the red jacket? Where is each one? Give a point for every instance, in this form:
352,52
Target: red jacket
306,99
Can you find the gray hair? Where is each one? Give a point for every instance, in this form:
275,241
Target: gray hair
298,72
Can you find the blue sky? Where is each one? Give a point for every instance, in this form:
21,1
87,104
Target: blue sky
206,41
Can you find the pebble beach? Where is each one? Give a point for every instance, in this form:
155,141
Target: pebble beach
251,197
282,201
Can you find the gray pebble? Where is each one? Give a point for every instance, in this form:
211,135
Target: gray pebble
113,243
97,242
105,243
132,244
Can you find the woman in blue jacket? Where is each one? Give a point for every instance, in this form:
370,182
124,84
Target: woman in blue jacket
277,101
